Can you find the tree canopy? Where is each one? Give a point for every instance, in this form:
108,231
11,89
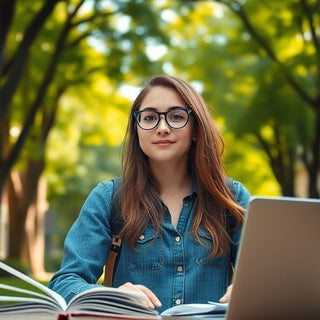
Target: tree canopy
67,68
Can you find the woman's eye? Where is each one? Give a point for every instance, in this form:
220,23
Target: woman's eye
149,118
176,117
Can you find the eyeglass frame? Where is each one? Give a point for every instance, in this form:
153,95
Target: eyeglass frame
136,114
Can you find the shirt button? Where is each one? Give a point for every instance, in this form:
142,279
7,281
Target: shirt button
178,301
179,268
141,237
178,238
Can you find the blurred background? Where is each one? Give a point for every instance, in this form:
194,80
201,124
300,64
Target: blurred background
70,69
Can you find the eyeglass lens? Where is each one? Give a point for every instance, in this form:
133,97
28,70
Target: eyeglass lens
176,118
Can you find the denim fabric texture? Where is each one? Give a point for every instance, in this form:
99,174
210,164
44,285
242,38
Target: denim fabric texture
173,265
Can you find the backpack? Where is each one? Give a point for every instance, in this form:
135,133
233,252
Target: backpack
116,224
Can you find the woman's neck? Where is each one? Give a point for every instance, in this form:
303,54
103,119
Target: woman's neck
175,183
172,177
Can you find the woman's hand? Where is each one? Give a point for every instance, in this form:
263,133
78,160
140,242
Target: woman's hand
227,295
151,300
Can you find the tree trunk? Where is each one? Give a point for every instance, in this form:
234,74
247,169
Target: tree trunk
314,171
22,193
16,215
35,231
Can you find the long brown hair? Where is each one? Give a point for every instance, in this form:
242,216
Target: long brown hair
140,201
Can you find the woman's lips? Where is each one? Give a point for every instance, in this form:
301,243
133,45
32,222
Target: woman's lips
163,142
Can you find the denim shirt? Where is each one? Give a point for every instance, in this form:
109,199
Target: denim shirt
173,265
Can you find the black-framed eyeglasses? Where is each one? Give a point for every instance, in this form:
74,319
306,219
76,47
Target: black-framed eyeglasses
176,117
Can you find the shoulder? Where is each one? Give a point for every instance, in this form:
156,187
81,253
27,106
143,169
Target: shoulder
104,187
241,193
100,195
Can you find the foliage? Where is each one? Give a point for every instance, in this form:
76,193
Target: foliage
49,63
64,64
257,66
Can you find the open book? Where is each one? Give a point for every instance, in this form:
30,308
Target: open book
41,303
37,302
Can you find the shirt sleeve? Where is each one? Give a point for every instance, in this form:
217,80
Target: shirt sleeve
86,245
242,196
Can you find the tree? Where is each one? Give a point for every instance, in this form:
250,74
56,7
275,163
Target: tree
296,23
52,56
261,72
10,74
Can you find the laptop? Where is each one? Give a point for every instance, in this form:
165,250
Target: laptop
277,273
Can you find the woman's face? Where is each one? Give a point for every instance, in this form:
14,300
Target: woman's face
163,143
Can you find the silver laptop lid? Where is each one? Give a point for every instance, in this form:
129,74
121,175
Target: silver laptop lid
278,268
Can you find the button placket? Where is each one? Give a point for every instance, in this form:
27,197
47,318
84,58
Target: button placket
179,277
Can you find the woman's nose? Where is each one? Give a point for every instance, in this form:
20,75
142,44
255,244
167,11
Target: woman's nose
163,126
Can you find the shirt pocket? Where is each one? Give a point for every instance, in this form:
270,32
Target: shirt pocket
148,254
203,250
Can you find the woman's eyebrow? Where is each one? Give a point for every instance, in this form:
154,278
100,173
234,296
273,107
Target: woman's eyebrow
149,108
155,109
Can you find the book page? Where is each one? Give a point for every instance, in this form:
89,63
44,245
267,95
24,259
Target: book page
102,300
55,297
196,309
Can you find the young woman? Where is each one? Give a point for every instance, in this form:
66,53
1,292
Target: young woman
182,223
